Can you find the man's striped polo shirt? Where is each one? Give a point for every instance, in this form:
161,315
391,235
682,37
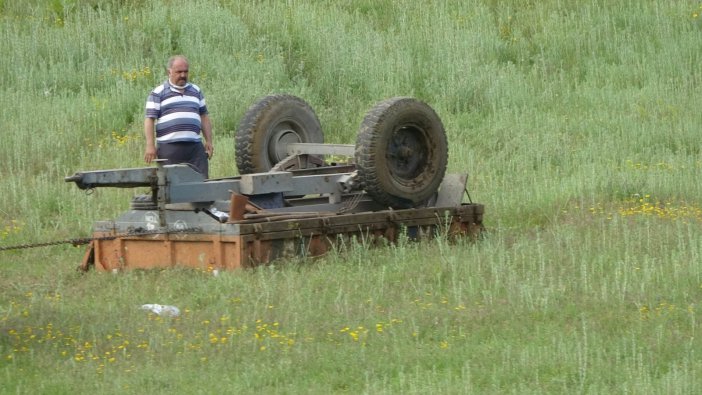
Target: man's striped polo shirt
177,114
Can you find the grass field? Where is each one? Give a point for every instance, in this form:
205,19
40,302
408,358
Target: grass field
578,122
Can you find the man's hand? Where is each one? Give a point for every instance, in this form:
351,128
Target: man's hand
207,134
149,154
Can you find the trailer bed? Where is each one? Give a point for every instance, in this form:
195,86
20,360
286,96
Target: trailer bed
198,242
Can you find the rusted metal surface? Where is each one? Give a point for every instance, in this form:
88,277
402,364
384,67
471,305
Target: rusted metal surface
240,244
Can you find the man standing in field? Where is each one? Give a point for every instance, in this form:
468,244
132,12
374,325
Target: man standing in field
176,114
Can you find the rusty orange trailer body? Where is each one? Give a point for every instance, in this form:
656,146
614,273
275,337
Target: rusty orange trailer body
242,244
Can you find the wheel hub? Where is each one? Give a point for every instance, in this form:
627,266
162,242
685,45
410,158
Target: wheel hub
278,144
407,153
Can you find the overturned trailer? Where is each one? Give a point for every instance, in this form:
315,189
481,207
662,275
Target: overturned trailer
292,198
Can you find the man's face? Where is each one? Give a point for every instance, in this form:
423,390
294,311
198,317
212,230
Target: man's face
178,73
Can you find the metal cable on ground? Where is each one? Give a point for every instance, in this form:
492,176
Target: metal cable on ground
85,240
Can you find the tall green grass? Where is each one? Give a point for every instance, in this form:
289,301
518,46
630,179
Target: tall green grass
577,122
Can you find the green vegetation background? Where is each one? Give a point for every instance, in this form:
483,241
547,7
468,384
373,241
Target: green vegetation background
578,122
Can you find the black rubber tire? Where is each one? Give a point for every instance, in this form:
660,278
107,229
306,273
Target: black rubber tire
267,127
401,152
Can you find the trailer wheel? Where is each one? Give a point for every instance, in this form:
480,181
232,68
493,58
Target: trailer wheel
268,126
401,152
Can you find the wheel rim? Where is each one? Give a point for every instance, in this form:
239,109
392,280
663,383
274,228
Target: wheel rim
283,133
407,153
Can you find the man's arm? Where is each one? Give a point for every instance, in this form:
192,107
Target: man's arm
207,133
150,151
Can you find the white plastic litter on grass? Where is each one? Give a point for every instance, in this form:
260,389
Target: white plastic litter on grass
162,310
